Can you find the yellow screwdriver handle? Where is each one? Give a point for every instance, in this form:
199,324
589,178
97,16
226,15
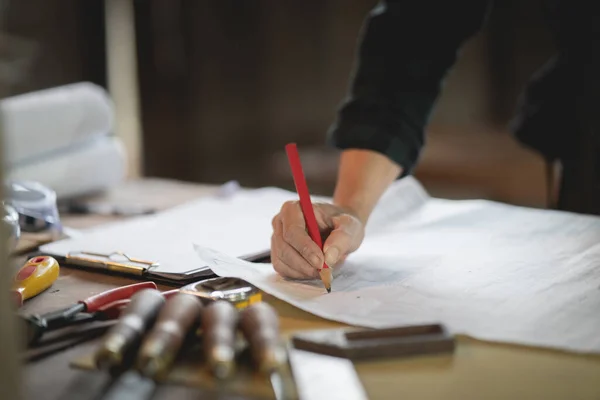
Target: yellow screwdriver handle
37,275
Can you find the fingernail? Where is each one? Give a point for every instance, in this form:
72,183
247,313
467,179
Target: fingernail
315,261
331,255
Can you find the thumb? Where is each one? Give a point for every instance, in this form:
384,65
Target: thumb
343,239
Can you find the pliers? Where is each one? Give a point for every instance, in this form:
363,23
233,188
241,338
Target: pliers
104,306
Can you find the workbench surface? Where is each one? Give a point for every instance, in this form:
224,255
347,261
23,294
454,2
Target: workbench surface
477,369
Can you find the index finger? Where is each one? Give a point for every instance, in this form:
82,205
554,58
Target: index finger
294,233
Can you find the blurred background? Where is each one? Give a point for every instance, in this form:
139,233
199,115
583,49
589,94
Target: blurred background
217,87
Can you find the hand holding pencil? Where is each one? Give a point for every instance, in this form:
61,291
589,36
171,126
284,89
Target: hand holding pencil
297,250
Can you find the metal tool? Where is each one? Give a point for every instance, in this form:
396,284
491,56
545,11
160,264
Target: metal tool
260,326
92,308
10,222
123,338
36,206
236,291
37,275
116,261
176,319
179,317
219,323
360,344
320,376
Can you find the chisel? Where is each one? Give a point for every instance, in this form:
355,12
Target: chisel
180,315
176,319
123,338
260,326
219,323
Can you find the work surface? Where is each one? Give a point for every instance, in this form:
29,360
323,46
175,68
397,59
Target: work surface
477,369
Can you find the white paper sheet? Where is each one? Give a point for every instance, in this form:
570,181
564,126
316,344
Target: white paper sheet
492,271
239,224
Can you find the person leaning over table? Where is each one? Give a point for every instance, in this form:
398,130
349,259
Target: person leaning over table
407,49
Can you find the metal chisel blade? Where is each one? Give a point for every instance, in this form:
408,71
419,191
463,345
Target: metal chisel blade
130,386
319,376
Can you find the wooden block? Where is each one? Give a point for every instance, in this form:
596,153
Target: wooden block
361,344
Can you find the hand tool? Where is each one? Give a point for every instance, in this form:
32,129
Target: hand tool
219,323
37,275
130,385
178,318
320,376
36,205
65,340
10,222
123,338
236,291
72,337
82,311
260,326
360,344
307,208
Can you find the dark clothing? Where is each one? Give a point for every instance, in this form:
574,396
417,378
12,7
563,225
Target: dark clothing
407,49
409,46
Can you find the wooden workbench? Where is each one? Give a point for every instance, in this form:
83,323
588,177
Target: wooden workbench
477,370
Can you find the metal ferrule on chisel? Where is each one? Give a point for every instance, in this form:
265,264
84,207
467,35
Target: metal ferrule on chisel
125,335
219,323
161,346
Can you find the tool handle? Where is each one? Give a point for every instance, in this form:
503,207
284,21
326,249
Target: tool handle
176,319
94,303
170,293
124,336
260,326
113,310
36,275
304,195
219,323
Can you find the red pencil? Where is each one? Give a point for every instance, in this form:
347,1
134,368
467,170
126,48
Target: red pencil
307,208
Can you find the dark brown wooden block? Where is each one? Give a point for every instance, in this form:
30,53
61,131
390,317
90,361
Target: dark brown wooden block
361,344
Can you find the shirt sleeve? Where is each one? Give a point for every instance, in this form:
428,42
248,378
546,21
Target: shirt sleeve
406,49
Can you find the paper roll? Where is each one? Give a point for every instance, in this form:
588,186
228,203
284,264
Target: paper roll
93,166
49,120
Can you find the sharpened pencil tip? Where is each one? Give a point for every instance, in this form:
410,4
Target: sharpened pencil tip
326,277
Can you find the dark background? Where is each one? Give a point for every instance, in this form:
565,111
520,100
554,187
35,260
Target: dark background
224,84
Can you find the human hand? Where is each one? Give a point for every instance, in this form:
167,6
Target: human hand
295,255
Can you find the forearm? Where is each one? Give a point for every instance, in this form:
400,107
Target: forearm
363,177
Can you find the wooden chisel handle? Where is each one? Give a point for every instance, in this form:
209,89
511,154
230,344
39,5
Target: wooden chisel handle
126,334
260,326
179,316
219,323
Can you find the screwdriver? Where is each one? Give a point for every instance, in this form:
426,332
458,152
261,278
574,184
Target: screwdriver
123,337
260,326
219,323
35,276
180,315
37,325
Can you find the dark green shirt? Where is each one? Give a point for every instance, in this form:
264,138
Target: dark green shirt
407,48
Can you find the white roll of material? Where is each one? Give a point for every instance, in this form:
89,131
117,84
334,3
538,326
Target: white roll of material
50,120
93,166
